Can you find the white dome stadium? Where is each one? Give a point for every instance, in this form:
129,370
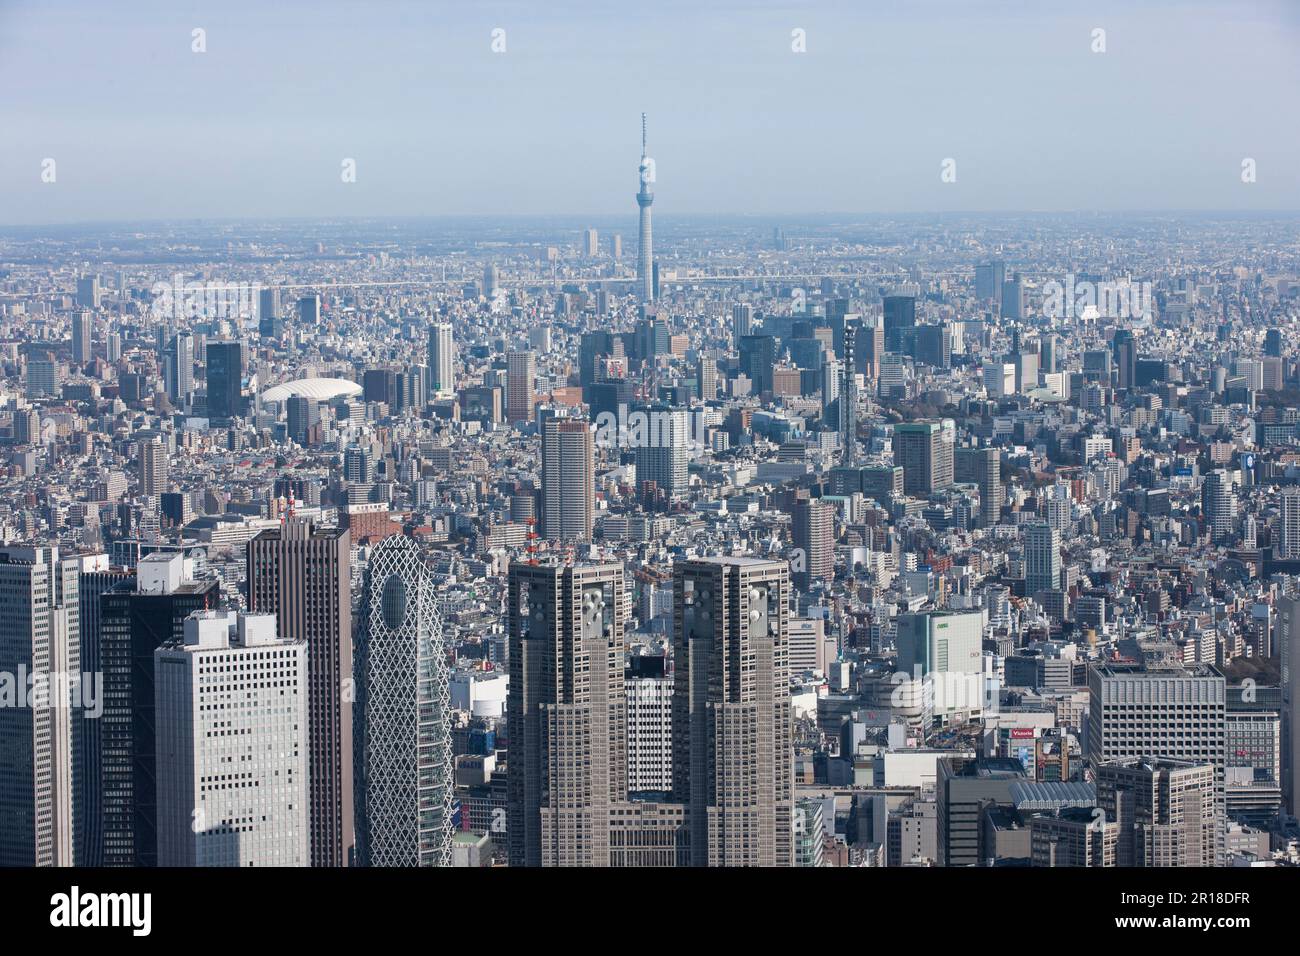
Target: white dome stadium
321,389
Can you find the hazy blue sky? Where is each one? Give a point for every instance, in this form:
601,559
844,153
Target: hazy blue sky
141,127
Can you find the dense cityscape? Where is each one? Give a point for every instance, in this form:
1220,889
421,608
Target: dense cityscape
876,543
940,540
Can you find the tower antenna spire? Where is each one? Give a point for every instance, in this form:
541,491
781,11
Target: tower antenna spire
642,134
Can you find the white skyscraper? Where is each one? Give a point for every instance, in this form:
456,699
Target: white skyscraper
568,488
231,712
663,453
442,360
178,369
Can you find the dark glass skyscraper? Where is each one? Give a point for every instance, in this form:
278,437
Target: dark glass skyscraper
138,616
225,371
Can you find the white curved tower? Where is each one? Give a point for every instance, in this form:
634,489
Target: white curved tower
402,740
645,198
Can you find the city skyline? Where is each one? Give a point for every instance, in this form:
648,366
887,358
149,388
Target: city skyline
390,481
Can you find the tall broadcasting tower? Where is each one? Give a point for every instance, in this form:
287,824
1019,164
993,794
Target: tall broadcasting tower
645,261
849,400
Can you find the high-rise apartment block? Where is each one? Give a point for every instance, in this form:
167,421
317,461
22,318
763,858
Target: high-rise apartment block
442,360
568,479
813,531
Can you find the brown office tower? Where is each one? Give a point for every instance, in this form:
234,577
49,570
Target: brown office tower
814,541
521,373
1167,810
303,575
733,758
566,713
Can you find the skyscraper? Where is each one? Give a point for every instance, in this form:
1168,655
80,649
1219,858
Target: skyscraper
758,355
403,746
566,713
813,528
178,369
139,615
1124,347
94,577
82,336
302,415
988,281
88,292
442,359
568,480
1166,809
309,311
1042,558
42,380
644,199
649,699
521,370
1274,343
1166,710
663,453
924,450
40,731
225,369
1219,505
983,468
742,321
268,304
900,314
706,378
303,575
153,467
231,670
1288,641
733,756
